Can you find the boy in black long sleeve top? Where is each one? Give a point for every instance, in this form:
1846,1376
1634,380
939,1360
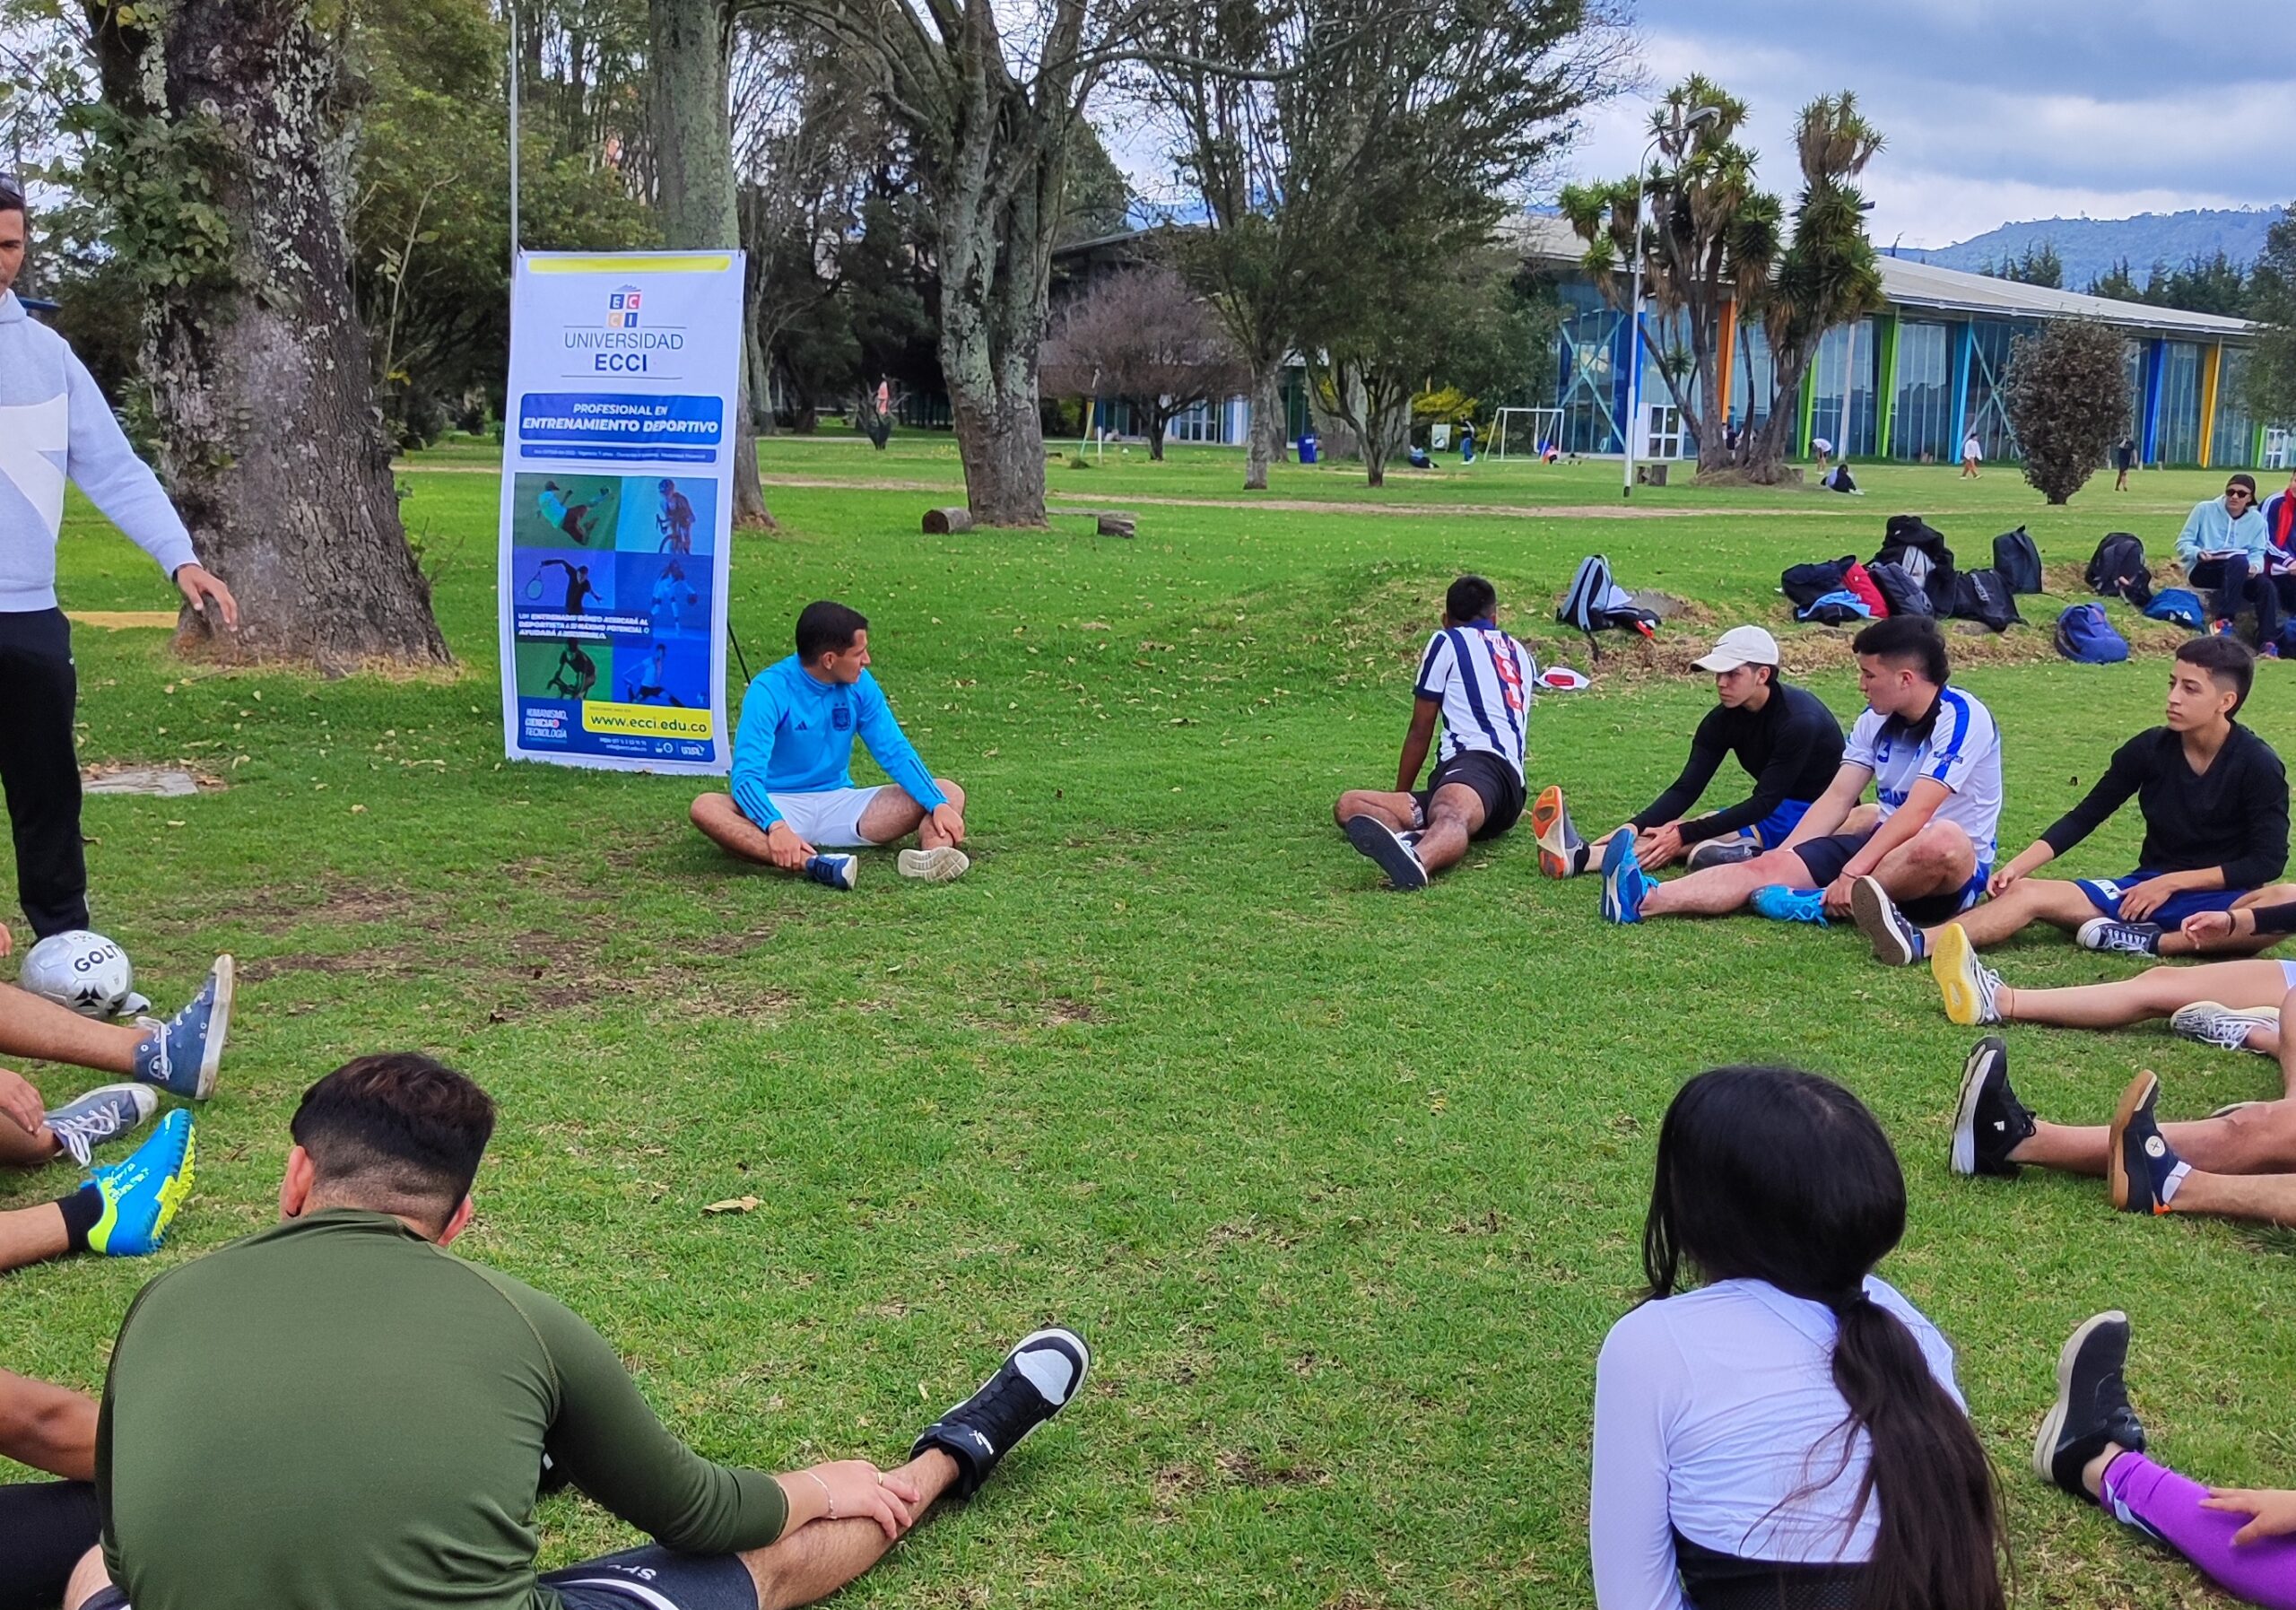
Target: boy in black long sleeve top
1784,737
2215,798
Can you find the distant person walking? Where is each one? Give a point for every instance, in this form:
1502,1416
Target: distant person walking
2124,461
1972,454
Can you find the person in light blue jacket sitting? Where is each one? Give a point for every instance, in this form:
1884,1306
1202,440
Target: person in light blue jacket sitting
793,796
2224,547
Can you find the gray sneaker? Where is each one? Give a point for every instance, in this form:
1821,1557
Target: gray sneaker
105,1113
2218,1025
1725,851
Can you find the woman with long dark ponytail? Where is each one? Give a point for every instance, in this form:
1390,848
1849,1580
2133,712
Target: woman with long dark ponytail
1788,1436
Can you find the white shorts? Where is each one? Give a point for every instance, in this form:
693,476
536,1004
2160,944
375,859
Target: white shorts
831,819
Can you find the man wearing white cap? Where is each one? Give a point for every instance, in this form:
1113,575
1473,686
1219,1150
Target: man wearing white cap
1785,737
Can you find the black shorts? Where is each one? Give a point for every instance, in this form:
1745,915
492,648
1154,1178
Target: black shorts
1495,782
1824,860
640,1578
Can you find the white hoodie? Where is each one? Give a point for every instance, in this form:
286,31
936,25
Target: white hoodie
55,426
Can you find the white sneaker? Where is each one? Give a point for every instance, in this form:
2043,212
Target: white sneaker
942,866
2214,1024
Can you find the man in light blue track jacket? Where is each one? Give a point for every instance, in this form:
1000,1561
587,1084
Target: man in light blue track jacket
793,796
56,427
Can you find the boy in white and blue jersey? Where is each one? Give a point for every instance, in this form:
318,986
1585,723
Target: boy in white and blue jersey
1933,755
1476,680
792,793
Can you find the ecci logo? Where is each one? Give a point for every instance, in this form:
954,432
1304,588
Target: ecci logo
622,308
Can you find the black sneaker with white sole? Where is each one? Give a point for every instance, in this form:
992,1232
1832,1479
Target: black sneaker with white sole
2092,1409
2112,934
1990,1122
1037,1380
1896,942
1728,850
1384,844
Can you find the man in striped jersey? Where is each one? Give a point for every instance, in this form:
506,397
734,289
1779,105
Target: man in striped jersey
1478,680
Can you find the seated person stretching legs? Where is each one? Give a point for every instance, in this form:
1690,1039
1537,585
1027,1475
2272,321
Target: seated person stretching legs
2238,1163
1933,755
2091,1444
2225,548
45,1527
2214,799
1784,737
1478,680
124,1208
793,796
1751,1434
376,1415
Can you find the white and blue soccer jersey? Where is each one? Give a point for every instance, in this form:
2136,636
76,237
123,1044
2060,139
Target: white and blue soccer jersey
1483,678
1962,751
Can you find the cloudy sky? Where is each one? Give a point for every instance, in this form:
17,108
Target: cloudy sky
1997,110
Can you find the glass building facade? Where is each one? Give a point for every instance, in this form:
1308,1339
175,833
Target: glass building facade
1906,386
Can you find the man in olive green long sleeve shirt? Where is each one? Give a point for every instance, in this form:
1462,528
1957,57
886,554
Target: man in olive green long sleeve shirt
338,1413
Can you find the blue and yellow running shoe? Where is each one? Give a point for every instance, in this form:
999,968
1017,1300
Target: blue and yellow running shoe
143,1191
1624,882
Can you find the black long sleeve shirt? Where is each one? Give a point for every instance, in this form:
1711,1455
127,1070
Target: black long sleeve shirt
1791,747
2233,816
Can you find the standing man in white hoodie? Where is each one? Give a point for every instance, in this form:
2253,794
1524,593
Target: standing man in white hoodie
56,426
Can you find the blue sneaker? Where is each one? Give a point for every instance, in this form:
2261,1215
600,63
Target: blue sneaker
141,1193
182,1054
1782,904
105,1113
837,872
1624,882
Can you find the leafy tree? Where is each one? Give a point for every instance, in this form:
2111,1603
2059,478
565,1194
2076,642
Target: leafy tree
213,150
2066,395
1710,236
2271,376
1142,334
1828,276
2117,283
2214,283
2038,264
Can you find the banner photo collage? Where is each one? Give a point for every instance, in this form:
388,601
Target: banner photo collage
617,508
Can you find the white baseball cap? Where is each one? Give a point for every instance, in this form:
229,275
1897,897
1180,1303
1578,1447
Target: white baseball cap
1741,646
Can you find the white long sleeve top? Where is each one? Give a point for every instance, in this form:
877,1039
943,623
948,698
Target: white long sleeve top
56,426
1713,1407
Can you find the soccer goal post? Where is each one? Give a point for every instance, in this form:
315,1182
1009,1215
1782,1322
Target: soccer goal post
1523,431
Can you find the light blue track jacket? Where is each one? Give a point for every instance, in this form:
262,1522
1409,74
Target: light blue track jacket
56,426
2212,529
796,738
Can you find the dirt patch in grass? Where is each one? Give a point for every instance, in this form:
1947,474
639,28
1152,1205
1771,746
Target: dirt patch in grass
1250,1470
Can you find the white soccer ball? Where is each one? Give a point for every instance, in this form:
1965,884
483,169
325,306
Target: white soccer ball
82,971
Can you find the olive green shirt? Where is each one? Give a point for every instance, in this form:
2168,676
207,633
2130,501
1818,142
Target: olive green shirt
337,1413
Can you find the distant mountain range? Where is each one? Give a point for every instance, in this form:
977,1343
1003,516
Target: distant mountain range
2090,246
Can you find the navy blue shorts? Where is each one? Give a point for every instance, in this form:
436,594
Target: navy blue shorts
640,1579
1776,827
1824,860
2104,893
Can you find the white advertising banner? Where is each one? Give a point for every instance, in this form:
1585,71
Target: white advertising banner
617,505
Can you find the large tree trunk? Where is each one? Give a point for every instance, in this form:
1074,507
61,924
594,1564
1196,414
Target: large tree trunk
1266,434
693,165
259,368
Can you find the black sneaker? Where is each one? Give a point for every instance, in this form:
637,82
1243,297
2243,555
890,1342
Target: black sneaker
2142,1170
1896,942
1380,842
2112,934
1990,1122
2091,1407
1729,850
1036,1381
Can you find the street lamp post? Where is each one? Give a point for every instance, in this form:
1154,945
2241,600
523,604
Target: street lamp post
1680,125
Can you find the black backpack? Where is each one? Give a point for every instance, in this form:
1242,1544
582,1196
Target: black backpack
2018,560
1805,584
2117,569
1915,546
1899,591
1983,596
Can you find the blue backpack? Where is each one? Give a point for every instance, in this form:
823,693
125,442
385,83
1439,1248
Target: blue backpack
2179,604
2085,637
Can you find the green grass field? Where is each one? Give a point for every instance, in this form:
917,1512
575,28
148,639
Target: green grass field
1343,1187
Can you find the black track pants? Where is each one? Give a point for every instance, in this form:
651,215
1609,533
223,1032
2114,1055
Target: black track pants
45,1527
39,768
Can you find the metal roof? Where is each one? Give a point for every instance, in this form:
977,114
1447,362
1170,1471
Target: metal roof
1928,287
